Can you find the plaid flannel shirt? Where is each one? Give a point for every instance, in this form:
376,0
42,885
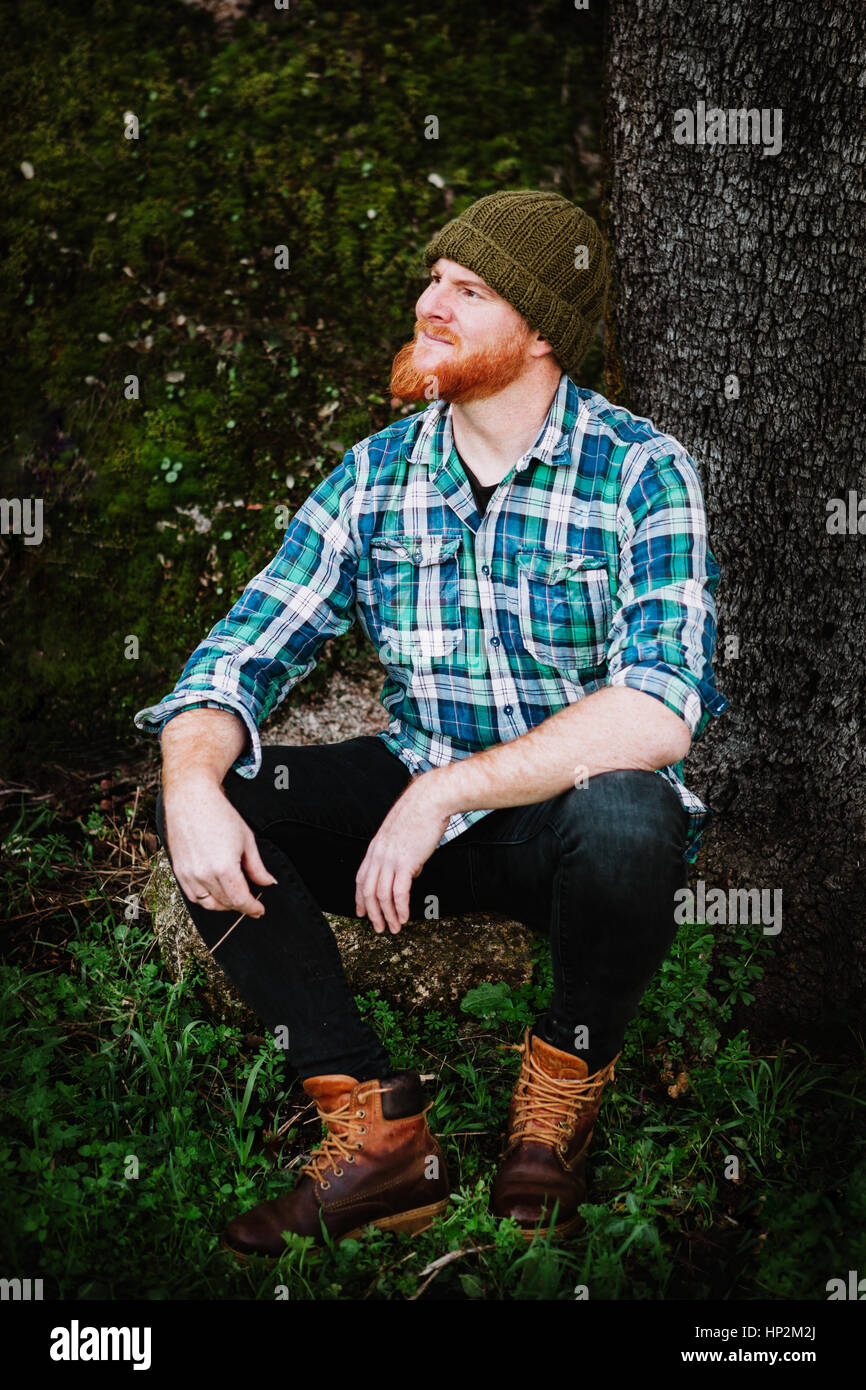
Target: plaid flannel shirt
590,567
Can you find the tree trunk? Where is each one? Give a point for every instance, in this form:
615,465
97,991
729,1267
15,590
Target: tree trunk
736,325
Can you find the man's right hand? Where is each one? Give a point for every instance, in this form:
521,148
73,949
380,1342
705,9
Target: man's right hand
211,846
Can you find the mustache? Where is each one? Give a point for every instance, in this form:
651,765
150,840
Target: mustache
424,328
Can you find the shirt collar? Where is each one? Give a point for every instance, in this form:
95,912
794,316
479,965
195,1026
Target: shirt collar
434,438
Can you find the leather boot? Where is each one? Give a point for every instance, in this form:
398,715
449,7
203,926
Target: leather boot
378,1165
550,1123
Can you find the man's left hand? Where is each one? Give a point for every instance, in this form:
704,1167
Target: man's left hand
398,852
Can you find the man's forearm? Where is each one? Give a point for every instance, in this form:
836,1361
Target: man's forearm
615,727
200,744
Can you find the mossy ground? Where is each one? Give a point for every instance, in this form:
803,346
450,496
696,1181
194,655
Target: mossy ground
133,1127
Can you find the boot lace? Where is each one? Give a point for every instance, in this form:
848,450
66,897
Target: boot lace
547,1108
342,1140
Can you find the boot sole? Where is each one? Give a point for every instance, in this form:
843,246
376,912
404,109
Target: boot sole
563,1228
410,1221
419,1219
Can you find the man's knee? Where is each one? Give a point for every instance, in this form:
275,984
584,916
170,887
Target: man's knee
631,811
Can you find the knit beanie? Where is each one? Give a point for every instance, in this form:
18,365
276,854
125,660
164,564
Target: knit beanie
543,254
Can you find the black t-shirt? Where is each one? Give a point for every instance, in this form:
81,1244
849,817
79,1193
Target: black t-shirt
481,494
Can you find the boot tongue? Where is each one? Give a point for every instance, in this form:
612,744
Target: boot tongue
563,1066
330,1092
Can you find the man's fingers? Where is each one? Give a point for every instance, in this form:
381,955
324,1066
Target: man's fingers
363,880
382,890
236,892
360,906
371,898
207,894
254,864
375,915
228,892
386,899
402,887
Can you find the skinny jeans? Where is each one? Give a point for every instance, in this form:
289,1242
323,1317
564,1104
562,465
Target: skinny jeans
594,868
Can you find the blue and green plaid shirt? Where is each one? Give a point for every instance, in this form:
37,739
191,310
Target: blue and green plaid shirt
590,567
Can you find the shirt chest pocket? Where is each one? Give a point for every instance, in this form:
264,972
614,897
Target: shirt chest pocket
415,590
565,609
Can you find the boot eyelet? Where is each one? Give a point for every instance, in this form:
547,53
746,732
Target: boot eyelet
324,1184
363,1129
359,1146
350,1158
362,1114
338,1172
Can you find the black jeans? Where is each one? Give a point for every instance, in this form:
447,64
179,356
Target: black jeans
595,867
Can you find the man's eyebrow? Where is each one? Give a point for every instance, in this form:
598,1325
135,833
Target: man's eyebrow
473,284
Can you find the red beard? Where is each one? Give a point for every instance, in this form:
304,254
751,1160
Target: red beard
458,376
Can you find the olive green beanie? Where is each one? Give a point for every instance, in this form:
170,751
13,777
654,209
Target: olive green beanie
531,248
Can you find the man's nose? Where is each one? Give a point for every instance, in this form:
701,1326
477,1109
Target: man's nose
432,304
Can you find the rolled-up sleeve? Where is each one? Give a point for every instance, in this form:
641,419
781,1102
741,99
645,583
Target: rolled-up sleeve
663,633
271,639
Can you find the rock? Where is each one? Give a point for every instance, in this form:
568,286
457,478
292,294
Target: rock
432,964
428,965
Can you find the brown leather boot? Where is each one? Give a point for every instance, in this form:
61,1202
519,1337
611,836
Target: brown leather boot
379,1165
550,1123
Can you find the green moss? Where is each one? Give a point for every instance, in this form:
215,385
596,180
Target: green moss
166,245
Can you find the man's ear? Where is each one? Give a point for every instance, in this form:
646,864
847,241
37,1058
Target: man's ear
541,345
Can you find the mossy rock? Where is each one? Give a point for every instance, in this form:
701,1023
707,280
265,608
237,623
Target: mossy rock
430,964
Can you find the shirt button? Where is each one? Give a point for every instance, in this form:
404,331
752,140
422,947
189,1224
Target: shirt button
485,569
494,641
418,555
509,709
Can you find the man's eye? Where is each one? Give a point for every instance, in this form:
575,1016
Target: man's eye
466,289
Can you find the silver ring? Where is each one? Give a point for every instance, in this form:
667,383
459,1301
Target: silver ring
199,896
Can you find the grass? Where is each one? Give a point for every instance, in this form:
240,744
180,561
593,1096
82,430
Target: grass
133,1126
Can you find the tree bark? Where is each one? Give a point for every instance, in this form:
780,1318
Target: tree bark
737,270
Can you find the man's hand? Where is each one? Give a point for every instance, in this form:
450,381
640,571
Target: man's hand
210,846
398,852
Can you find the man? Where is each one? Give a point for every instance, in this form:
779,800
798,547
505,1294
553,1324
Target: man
531,564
